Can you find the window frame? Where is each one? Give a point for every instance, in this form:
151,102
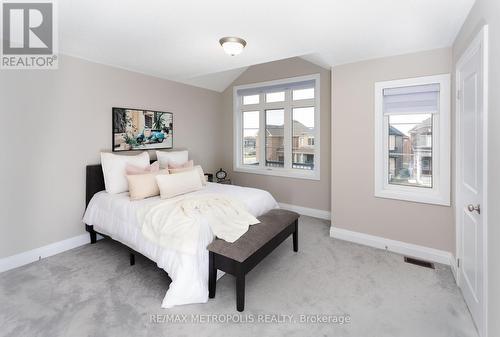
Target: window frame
287,105
439,193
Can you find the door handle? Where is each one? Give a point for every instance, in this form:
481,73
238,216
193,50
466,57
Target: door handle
473,208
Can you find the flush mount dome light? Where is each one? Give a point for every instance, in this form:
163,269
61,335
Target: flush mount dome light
232,45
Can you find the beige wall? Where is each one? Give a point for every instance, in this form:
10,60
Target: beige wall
488,12
354,206
53,123
300,192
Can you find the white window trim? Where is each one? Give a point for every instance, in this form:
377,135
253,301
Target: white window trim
287,171
439,194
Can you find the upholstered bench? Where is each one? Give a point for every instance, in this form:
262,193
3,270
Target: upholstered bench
241,256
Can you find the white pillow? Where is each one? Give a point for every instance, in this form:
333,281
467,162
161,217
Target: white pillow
202,174
172,185
175,158
113,168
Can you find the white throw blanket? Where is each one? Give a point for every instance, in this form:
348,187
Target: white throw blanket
175,223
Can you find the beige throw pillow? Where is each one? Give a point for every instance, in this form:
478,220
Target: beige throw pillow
180,183
143,186
195,168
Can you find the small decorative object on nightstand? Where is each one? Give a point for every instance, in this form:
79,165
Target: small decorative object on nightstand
221,176
210,177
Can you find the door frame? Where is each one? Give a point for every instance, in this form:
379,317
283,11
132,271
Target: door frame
481,39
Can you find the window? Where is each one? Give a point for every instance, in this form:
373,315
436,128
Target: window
250,138
303,138
412,139
251,99
303,94
275,97
410,129
277,128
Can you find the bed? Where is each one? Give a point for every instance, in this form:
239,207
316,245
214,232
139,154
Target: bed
114,216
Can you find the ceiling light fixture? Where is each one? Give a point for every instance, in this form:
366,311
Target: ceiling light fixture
232,45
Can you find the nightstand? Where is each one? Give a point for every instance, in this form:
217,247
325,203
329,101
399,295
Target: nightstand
224,181
210,177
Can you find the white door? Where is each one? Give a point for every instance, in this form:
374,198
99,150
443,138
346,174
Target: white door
471,174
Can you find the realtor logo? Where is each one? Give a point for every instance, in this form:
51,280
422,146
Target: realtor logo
28,35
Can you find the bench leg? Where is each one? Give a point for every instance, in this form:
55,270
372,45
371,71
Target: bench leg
132,258
296,237
212,275
240,291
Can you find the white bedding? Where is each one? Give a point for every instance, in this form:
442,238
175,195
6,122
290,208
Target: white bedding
116,216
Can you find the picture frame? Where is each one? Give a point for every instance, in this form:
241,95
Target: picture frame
141,129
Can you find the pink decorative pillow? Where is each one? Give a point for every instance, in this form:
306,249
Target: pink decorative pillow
133,170
187,165
179,170
196,168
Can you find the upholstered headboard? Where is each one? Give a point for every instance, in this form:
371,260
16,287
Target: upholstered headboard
94,182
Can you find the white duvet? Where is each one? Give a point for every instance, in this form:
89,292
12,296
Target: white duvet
116,216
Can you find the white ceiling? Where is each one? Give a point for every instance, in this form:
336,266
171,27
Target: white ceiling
178,40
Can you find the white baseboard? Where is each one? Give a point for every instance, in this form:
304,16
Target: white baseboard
315,213
453,265
403,248
18,260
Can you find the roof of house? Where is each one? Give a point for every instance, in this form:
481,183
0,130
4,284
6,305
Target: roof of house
426,123
298,128
395,132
